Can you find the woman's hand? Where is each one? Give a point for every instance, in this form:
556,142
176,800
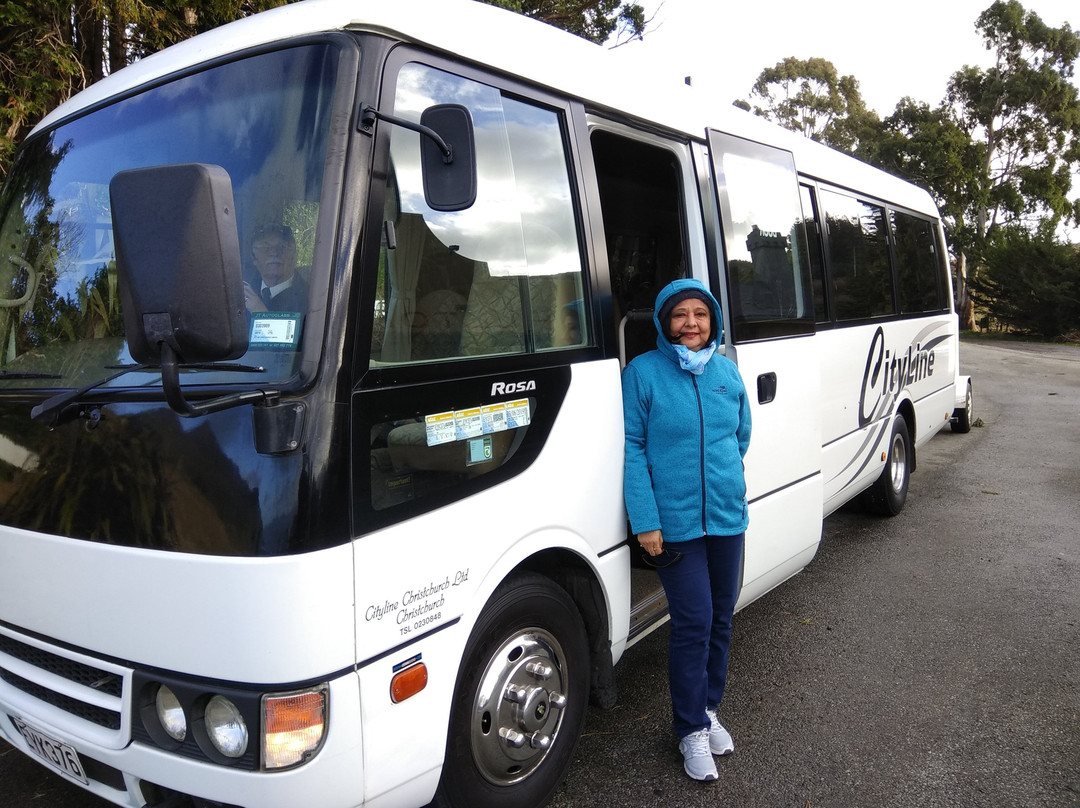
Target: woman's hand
652,542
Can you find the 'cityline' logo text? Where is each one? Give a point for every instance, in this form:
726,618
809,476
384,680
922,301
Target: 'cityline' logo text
889,371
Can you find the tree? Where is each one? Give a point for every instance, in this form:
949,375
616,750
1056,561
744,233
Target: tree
809,96
1024,112
1031,283
930,148
51,49
38,68
595,20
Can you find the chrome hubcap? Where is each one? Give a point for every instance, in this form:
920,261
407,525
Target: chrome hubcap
519,706
898,463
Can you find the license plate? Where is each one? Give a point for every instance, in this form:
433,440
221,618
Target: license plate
60,756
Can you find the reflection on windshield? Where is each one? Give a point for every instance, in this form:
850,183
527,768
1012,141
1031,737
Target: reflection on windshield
264,119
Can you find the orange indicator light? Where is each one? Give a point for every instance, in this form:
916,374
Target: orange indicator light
294,726
408,682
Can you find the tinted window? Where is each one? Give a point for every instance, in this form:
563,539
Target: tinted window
813,257
764,239
919,281
264,119
858,249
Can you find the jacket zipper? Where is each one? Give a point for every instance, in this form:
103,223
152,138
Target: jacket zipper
701,459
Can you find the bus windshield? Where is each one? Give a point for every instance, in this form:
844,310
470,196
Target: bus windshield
264,119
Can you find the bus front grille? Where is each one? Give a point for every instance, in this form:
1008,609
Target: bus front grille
78,688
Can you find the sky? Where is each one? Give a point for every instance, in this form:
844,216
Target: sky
893,48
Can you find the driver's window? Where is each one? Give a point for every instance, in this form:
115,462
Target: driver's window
503,276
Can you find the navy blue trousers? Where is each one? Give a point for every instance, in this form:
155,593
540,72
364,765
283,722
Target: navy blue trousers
701,592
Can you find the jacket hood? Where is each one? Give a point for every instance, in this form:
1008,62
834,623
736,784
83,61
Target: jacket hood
672,289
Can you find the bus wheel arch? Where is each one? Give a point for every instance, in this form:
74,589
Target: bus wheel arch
572,573
887,495
962,416
520,698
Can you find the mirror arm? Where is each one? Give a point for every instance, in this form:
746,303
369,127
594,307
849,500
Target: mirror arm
369,114
170,382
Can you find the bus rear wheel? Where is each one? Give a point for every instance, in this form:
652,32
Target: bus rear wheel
519,702
886,497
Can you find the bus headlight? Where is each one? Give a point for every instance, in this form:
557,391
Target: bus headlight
225,727
170,713
293,726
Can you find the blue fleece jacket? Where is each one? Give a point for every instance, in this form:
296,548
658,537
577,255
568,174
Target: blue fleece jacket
686,436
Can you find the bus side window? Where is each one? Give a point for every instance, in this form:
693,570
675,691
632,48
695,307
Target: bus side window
500,276
811,252
858,257
768,274
919,280
410,460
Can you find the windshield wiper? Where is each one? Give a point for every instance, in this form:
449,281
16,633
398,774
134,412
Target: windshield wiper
27,374
57,403
233,366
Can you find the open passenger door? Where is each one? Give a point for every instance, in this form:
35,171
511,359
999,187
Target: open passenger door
768,295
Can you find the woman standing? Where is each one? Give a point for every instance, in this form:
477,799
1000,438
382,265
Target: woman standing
687,430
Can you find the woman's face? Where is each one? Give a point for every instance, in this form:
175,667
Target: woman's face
690,324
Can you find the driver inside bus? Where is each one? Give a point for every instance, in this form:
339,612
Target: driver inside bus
281,288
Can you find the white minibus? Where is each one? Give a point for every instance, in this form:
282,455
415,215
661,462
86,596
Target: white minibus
311,433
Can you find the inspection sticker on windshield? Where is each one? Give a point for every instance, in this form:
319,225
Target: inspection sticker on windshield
57,754
275,329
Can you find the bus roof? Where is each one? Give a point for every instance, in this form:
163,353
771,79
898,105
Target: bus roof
516,45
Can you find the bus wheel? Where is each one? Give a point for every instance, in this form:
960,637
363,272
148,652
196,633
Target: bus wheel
961,417
886,496
520,698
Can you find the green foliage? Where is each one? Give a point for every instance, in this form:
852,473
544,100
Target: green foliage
39,68
50,49
809,96
1031,283
1025,113
1001,149
929,147
595,20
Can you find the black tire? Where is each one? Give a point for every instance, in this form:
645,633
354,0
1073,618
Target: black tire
961,417
886,496
519,703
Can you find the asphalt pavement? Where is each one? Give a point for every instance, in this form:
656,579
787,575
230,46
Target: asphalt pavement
932,659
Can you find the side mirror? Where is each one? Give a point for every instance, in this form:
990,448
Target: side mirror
449,180
447,152
178,261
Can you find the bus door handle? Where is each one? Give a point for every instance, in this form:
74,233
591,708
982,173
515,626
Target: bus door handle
766,388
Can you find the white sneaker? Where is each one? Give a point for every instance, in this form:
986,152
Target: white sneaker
697,760
720,742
